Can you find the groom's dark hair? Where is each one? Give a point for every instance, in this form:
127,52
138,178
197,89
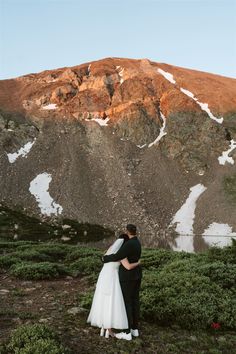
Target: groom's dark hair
131,228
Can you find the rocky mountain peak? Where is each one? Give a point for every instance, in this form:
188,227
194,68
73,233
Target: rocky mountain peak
121,136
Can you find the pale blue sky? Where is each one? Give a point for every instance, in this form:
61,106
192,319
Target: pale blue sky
46,34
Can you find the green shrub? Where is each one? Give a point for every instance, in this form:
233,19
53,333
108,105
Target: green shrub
7,261
82,252
31,255
152,259
42,346
225,255
188,299
37,271
191,292
13,244
218,272
86,266
54,251
34,339
3,349
85,299
26,315
185,265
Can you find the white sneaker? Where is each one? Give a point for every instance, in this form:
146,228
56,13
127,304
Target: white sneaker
135,332
123,335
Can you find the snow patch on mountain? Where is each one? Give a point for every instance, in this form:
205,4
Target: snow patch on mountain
162,131
39,188
167,75
89,70
141,146
218,234
100,121
188,93
23,151
120,73
225,154
184,218
204,106
50,107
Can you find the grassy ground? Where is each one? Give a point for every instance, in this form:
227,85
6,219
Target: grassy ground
51,301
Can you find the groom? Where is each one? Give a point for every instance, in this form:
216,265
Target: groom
130,280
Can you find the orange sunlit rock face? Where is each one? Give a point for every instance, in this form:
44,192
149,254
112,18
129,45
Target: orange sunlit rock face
117,87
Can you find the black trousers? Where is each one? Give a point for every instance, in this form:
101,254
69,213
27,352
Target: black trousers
130,290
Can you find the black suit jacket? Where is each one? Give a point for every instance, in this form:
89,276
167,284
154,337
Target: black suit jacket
132,251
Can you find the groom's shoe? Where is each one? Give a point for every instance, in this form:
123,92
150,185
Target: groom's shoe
135,332
123,335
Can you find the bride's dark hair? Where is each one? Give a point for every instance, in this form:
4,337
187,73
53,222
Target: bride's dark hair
124,236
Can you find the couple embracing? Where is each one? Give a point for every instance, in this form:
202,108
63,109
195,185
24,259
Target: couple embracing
116,298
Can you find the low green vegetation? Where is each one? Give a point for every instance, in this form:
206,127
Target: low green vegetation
35,261
33,339
188,290
37,271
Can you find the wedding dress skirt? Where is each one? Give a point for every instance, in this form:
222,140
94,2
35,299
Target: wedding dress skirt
108,308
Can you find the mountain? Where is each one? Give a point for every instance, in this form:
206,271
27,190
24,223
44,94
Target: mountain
122,140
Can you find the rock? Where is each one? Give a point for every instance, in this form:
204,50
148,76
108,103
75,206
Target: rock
75,310
11,124
42,100
222,339
44,320
63,93
65,227
30,302
4,291
17,320
193,338
28,290
65,238
71,76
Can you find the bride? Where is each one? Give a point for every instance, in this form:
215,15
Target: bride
108,308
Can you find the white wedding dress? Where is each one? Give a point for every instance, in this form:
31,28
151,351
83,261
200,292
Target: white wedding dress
108,308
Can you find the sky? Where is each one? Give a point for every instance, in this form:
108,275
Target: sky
37,35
